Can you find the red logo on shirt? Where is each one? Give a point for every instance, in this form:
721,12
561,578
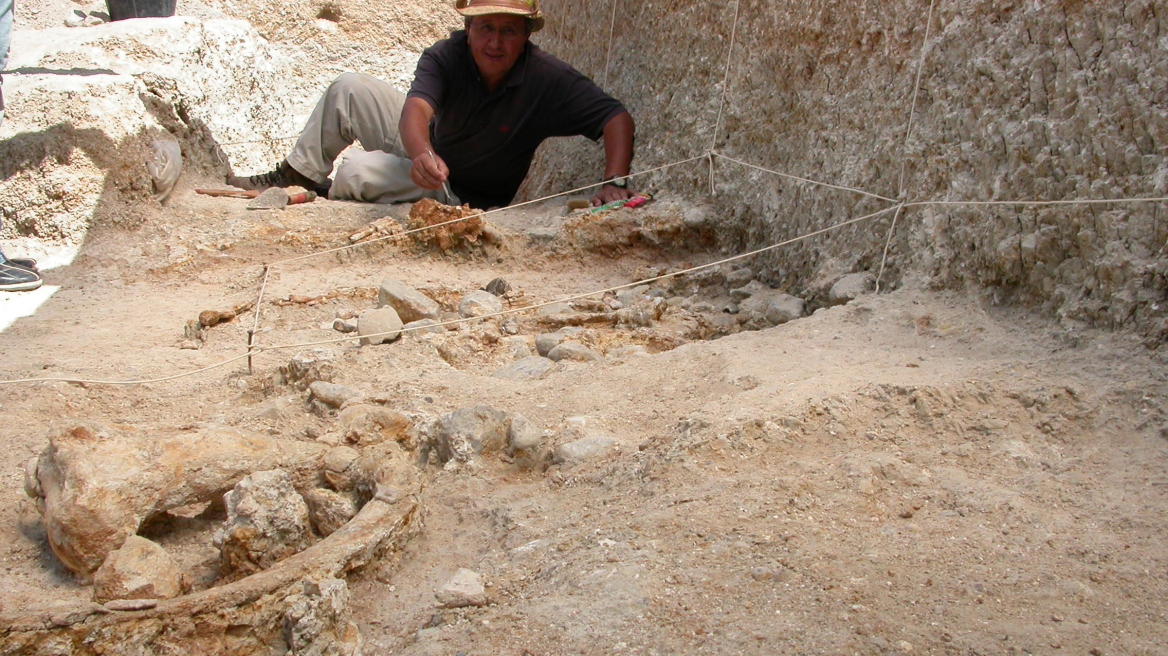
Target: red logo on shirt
504,128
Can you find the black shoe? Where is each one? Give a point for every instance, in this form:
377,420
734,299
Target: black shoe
283,176
26,262
18,279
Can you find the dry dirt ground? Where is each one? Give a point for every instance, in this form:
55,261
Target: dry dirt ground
914,472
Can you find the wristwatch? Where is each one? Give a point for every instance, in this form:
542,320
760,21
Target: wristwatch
618,181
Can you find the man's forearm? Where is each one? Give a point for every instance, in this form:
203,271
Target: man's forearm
414,127
618,145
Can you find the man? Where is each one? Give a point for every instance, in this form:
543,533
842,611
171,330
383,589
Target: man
16,275
481,102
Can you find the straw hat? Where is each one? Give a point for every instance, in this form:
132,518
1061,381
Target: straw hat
526,8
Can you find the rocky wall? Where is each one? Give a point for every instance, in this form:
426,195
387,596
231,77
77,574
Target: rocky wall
1017,101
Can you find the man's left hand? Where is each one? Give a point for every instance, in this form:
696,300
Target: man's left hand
608,193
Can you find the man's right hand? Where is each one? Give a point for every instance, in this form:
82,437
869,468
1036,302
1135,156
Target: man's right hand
429,171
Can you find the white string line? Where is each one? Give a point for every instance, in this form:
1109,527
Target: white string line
913,107
887,243
1080,201
795,177
576,297
480,214
912,110
726,78
608,57
255,325
85,381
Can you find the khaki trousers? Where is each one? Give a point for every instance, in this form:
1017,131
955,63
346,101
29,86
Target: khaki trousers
363,109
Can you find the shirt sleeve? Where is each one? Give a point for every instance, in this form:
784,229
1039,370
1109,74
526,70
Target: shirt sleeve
429,81
585,109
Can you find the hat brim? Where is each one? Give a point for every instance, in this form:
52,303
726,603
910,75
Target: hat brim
536,19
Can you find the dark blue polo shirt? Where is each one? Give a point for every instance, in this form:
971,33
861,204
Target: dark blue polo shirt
488,139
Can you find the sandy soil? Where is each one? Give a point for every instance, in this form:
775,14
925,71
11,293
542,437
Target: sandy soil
913,472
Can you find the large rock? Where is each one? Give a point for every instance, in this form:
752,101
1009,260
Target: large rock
479,303
770,308
584,448
329,510
307,367
851,287
204,82
95,485
783,308
331,394
547,341
410,304
367,424
317,620
140,569
379,326
532,368
469,432
525,442
573,351
267,521
463,589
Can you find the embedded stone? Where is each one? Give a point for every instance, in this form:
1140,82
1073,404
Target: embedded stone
532,368
573,351
140,569
479,303
267,521
379,326
409,303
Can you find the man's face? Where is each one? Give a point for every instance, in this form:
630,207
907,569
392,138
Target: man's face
496,41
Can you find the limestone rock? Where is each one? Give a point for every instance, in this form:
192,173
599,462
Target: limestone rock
850,287
582,449
523,434
739,277
96,485
367,424
331,394
770,308
546,342
553,309
749,289
307,367
525,442
423,327
469,432
479,303
379,326
463,589
153,68
317,620
517,346
338,468
641,314
784,308
329,510
140,569
532,368
267,521
633,295
410,304
573,351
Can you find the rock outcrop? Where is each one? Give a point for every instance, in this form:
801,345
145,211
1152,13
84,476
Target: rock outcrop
95,485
